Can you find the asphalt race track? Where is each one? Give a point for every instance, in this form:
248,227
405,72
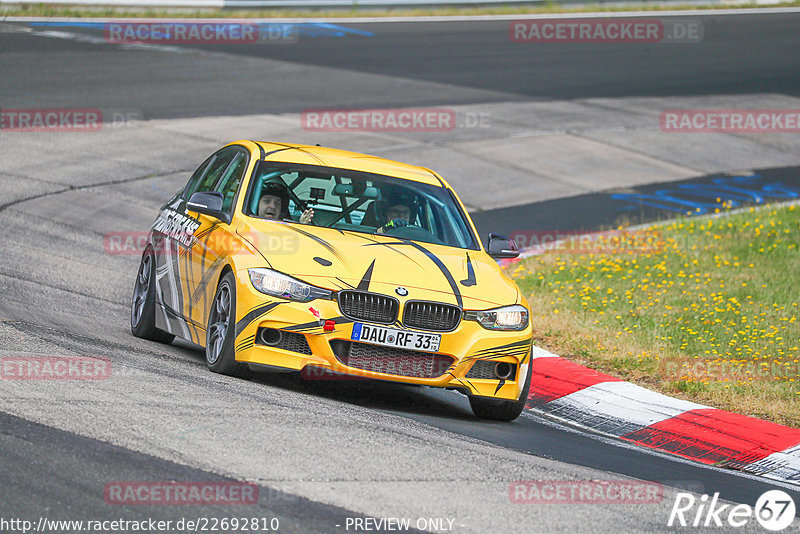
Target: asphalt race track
476,57
325,453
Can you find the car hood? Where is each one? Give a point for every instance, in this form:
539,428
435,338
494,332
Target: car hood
337,260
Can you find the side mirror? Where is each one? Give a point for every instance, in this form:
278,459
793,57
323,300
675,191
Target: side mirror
207,202
501,247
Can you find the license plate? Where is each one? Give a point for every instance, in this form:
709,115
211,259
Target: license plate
392,337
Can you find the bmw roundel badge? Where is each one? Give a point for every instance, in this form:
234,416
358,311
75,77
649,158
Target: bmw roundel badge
401,291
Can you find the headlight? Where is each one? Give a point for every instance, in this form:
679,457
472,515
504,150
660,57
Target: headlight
506,318
280,285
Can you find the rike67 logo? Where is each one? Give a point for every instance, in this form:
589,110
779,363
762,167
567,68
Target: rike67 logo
774,510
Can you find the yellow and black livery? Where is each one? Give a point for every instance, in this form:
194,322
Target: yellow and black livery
417,299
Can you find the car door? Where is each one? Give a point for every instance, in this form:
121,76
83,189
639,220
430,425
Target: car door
214,239
174,234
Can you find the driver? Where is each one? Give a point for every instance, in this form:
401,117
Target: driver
274,203
398,215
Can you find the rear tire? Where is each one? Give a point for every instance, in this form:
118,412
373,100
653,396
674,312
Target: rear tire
143,303
494,410
221,332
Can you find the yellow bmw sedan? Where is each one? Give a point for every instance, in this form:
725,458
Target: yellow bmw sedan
285,257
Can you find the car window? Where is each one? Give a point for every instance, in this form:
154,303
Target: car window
366,203
216,166
229,183
191,185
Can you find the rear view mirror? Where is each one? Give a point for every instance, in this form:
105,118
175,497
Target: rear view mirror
343,190
501,247
207,202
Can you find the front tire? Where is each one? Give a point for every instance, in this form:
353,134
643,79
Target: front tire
221,332
143,303
503,410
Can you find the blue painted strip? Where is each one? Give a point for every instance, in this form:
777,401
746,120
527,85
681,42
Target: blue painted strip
722,191
306,29
665,201
94,25
732,191
780,190
338,31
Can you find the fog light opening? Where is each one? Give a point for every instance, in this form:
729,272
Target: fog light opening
503,370
270,336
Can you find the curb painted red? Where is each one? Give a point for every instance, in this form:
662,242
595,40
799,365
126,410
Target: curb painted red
632,413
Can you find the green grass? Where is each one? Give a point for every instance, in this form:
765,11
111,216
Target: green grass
702,308
57,10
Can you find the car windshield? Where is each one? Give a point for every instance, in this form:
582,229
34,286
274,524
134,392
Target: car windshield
364,202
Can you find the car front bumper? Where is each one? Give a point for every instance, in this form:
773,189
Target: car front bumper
465,360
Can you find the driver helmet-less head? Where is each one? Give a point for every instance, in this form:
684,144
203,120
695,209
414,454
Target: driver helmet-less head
397,205
266,205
